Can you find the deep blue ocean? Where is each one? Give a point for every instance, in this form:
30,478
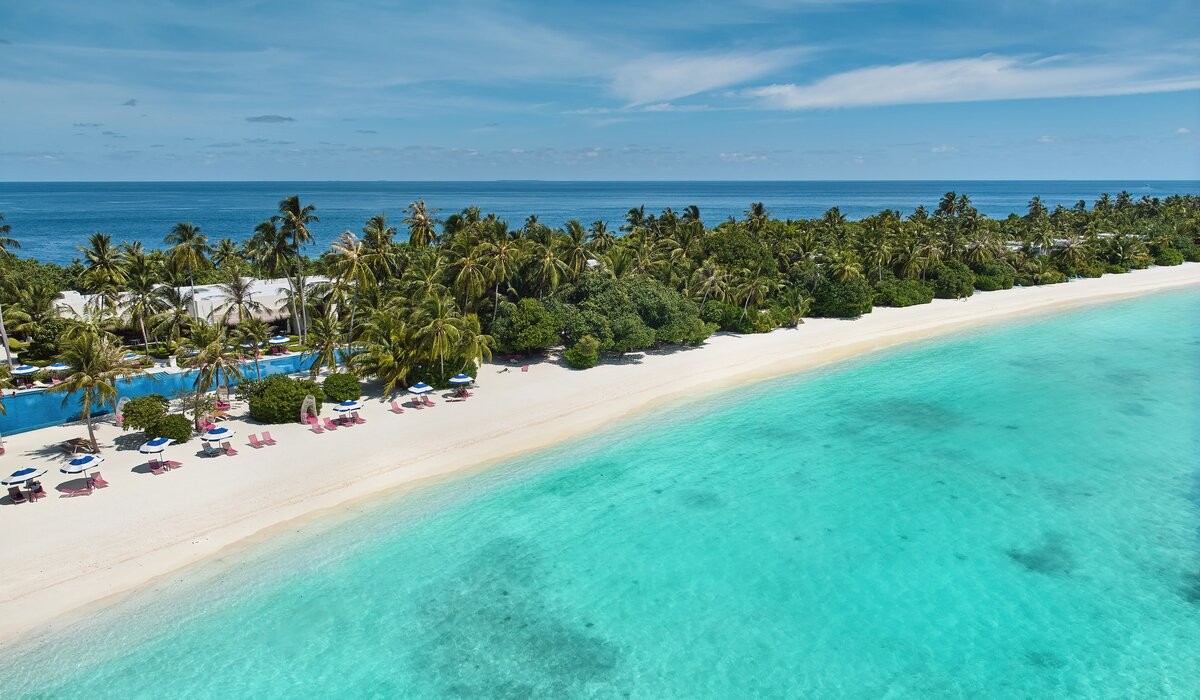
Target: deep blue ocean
52,219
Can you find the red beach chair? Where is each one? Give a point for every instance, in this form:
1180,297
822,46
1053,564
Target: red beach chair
228,448
397,408
98,481
525,368
255,443
329,424
267,439
15,493
316,426
156,467
78,492
427,401
357,418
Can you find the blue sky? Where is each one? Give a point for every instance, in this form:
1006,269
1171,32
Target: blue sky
758,89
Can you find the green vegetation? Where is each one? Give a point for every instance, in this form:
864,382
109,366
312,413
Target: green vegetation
171,425
278,399
443,295
142,412
341,387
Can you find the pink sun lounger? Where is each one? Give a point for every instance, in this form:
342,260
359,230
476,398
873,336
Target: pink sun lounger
397,408
267,439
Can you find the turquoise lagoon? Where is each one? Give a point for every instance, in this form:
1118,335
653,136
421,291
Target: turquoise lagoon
1005,513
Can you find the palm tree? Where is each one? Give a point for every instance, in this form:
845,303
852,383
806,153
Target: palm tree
143,298
104,275
757,217
7,242
324,339
470,274
439,328
600,239
174,320
501,258
226,253
550,268
215,361
387,354
351,270
254,333
379,252
294,220
95,361
474,345
238,295
710,281
189,250
422,226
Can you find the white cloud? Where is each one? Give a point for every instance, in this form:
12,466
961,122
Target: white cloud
1183,131
1047,139
944,149
739,157
658,78
988,77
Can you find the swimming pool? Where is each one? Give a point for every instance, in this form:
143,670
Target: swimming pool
39,409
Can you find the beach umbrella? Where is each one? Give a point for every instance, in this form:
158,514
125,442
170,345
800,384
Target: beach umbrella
58,367
155,446
350,405
420,388
280,340
20,476
247,346
82,464
130,357
218,434
23,370
461,379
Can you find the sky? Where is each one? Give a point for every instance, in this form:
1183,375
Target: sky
579,90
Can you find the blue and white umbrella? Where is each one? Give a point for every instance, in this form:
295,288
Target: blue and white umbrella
20,476
420,388
248,346
218,434
461,379
130,357
348,406
155,446
23,370
280,340
58,367
82,464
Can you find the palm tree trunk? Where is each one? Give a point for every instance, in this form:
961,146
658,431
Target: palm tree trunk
4,339
87,417
145,338
496,303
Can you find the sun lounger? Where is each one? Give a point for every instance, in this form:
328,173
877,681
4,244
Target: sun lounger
156,467
427,401
172,464
329,425
267,439
525,368
15,493
357,418
78,492
98,481
315,425
255,443
397,408
228,448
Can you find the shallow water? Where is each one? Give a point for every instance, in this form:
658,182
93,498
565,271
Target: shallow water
1011,513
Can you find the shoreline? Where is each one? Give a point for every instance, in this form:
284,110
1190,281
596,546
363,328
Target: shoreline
144,528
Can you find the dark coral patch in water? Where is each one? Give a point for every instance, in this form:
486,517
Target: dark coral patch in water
1191,588
703,500
490,631
1044,659
1051,558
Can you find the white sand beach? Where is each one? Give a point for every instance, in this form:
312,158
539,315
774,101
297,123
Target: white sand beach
66,556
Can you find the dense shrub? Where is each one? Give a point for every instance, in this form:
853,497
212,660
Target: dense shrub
341,387
1169,256
897,292
848,299
525,327
142,412
277,399
630,333
44,340
726,317
994,275
583,354
171,425
953,280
